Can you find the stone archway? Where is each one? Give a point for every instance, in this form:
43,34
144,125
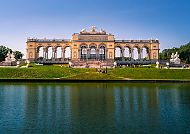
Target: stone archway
136,53
102,52
145,53
50,55
92,52
127,53
83,55
58,53
118,53
40,53
67,53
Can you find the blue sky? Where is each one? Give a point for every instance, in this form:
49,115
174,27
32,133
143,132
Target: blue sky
166,20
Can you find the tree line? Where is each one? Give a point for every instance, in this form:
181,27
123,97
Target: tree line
183,51
4,50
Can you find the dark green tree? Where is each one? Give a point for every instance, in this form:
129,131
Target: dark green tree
184,53
3,52
18,55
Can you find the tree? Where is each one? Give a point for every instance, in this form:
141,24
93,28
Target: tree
184,53
3,52
18,55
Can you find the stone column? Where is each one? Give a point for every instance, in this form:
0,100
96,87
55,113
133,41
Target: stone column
122,54
97,53
140,54
79,53
55,56
106,53
71,55
55,53
88,53
36,54
62,54
44,53
148,54
132,54
129,54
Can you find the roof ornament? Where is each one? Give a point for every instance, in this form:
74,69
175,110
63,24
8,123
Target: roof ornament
83,30
93,29
102,31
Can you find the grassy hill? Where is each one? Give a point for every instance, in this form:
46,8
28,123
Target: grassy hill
58,72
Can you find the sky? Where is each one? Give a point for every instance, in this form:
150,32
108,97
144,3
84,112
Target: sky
166,20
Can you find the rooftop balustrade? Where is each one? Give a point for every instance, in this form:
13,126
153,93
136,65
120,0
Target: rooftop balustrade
137,41
48,40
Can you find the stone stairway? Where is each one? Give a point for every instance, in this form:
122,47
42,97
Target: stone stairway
92,63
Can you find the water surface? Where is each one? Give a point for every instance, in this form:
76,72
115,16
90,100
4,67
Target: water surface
91,108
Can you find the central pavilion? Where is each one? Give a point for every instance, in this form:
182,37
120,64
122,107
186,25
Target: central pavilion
91,45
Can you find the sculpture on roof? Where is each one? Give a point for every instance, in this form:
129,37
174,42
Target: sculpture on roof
83,30
93,29
102,31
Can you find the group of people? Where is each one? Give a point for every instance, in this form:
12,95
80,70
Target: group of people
100,70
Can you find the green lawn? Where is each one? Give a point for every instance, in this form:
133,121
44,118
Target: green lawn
150,73
55,72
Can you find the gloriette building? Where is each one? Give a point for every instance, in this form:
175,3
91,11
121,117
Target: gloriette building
91,45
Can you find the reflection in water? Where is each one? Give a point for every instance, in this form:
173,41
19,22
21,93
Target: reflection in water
94,108
117,108
67,110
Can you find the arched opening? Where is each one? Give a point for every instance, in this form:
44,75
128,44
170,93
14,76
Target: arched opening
58,54
92,52
127,53
68,53
50,53
145,53
118,53
102,53
135,53
40,53
83,53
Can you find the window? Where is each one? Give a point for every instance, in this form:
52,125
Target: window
30,55
84,51
154,55
110,55
75,55
101,50
93,51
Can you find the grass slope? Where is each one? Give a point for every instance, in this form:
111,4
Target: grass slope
55,72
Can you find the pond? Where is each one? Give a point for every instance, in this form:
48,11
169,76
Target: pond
91,108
